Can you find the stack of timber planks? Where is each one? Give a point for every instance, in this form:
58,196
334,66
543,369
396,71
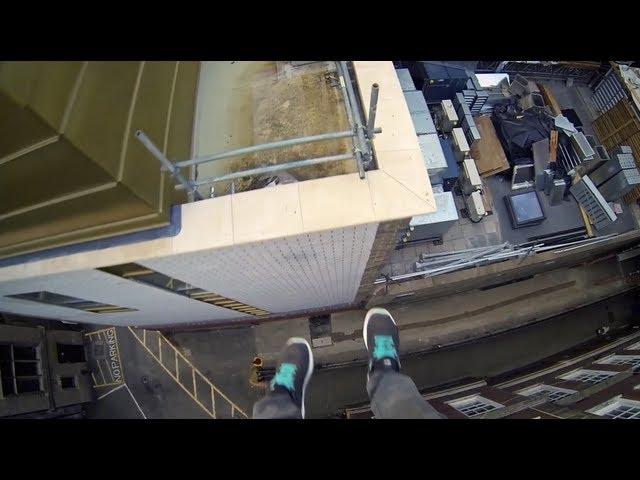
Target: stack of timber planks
620,125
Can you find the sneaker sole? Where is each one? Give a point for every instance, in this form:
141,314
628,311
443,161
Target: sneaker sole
370,313
307,377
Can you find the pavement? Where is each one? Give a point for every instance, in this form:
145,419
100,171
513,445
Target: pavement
147,390
117,402
456,318
224,356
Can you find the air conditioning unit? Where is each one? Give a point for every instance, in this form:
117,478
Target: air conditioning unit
619,161
460,105
622,149
434,225
475,206
520,86
448,118
433,156
557,192
601,156
471,178
587,195
620,184
460,144
582,147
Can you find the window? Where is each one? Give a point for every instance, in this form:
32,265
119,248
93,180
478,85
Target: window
618,407
68,382
634,346
20,370
632,360
71,302
587,376
70,353
554,393
474,405
142,274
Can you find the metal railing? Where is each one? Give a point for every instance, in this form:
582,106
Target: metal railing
361,133
185,374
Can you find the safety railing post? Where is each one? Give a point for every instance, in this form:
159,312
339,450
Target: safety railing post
170,167
373,106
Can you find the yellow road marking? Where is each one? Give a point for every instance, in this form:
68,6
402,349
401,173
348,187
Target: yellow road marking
104,379
214,390
107,384
106,361
109,370
115,336
213,402
100,334
99,331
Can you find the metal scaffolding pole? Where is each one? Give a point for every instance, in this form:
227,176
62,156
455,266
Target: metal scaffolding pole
271,169
266,146
173,170
349,110
373,107
464,260
361,151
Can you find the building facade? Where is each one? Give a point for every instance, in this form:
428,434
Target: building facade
44,371
599,383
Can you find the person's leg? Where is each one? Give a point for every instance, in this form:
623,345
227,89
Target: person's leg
392,394
285,395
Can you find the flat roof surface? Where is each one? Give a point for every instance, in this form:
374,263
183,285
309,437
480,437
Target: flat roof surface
496,228
241,104
559,218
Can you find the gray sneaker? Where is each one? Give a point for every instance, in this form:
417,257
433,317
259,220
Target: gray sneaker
294,370
381,338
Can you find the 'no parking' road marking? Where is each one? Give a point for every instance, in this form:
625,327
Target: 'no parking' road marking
109,368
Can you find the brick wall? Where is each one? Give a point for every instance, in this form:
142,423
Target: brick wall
383,245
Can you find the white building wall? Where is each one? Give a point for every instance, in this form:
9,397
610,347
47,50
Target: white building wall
155,305
287,274
283,275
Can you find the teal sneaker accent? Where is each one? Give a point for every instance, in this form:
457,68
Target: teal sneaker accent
285,376
384,347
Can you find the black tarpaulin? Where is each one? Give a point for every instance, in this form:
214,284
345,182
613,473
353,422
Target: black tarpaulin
519,131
